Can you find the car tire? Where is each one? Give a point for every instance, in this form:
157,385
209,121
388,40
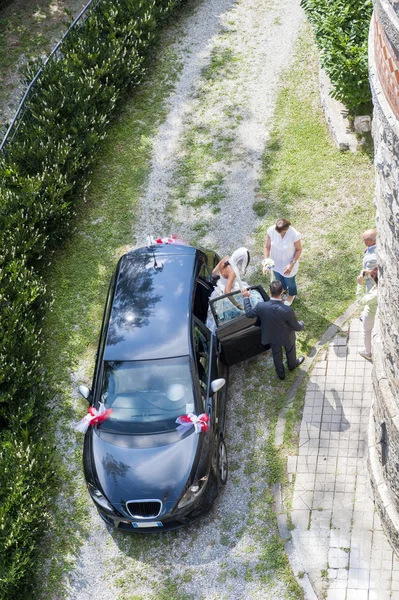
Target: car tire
222,463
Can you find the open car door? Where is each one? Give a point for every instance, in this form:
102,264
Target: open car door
239,338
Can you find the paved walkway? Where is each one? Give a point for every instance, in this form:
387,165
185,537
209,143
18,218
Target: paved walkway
337,534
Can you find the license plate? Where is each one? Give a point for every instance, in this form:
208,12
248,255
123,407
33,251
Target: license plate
148,524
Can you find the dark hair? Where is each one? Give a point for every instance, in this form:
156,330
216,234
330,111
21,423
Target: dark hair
276,288
282,225
226,264
374,274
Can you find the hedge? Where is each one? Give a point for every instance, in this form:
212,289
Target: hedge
43,174
341,30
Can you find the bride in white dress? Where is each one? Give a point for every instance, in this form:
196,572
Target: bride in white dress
230,269
228,273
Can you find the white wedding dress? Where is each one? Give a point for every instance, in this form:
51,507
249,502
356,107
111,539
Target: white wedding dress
226,310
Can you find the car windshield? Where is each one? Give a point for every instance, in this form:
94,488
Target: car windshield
146,396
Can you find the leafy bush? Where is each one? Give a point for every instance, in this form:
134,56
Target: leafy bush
43,174
341,29
27,473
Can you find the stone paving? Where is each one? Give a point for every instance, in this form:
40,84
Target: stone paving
337,534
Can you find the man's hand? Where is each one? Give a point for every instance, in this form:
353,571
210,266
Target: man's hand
246,293
362,276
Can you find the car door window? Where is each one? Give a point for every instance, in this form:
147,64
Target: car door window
228,307
201,349
238,337
205,272
212,258
203,291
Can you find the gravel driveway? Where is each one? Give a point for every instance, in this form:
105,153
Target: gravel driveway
233,55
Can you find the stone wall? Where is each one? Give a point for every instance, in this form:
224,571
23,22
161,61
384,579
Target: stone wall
395,5
384,423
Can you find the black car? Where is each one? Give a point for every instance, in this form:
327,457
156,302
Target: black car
158,361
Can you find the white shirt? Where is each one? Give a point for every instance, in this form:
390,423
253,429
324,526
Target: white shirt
283,249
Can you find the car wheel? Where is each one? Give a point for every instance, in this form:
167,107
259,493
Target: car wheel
222,464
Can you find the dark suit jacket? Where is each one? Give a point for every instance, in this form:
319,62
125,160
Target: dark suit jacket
278,322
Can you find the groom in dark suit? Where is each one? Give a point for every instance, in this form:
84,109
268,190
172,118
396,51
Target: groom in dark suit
278,325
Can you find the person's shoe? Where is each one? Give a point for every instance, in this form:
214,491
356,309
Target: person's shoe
299,361
290,300
366,355
282,374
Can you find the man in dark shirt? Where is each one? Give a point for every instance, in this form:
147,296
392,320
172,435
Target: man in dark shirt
278,326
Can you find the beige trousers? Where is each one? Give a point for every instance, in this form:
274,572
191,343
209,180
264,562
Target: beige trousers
368,324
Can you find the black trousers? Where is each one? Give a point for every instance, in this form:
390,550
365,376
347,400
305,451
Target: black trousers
290,351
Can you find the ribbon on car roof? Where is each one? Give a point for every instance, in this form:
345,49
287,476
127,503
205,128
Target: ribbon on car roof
173,239
200,423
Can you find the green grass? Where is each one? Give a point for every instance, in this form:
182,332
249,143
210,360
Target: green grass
264,399
326,194
68,527
207,145
293,417
26,30
328,197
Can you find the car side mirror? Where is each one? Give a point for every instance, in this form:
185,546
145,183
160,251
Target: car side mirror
217,384
84,391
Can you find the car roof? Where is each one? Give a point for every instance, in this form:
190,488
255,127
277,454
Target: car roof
151,308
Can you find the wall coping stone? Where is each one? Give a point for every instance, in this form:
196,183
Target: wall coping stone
389,19
336,115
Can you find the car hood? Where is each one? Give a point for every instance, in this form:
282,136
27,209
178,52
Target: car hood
126,471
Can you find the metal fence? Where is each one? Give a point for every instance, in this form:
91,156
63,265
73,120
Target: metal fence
34,86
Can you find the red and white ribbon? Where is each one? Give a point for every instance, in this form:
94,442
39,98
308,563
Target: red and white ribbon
93,417
173,239
200,423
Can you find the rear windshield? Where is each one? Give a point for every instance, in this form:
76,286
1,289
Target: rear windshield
146,396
